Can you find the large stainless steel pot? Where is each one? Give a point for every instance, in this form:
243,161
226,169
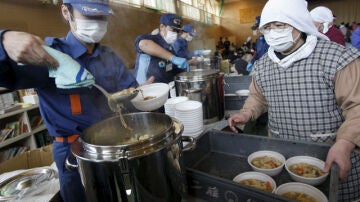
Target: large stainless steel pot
205,86
140,163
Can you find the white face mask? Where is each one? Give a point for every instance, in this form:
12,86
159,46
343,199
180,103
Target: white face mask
170,37
90,31
280,39
188,38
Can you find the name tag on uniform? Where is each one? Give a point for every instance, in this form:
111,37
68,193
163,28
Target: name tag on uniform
168,67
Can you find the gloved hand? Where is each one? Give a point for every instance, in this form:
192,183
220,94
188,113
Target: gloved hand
249,67
180,62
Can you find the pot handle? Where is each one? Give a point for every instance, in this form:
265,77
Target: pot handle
70,166
191,145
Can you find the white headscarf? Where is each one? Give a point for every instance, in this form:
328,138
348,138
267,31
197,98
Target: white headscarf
321,14
294,13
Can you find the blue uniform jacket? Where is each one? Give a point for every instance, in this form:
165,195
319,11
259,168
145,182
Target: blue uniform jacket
107,68
180,47
261,48
146,65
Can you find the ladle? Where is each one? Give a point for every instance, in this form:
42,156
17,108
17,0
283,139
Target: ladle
115,100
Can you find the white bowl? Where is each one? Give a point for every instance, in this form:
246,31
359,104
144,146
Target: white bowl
309,160
255,175
206,52
188,106
301,187
176,100
273,154
159,90
242,93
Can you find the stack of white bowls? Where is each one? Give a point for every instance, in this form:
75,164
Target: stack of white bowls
171,103
190,114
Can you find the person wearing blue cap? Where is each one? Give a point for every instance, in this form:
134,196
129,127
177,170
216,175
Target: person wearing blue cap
181,44
261,47
66,112
155,55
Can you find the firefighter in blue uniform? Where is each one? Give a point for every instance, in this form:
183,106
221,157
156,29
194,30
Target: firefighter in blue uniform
181,44
66,112
155,55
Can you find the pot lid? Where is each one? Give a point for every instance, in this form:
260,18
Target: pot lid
25,183
197,74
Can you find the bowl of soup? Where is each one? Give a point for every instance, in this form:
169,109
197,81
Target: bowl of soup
267,162
300,192
306,169
151,96
256,180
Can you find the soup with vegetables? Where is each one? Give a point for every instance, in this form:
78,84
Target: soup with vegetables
258,184
299,197
266,162
306,170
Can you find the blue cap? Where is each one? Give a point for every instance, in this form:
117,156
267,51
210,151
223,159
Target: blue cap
172,20
91,7
256,24
257,21
189,29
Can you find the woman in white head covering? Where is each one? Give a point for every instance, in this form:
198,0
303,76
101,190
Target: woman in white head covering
324,21
310,88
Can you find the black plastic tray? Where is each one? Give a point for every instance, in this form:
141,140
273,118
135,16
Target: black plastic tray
220,156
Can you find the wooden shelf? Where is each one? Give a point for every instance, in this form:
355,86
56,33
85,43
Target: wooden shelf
14,139
25,115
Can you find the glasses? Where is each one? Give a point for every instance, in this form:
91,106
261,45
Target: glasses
275,26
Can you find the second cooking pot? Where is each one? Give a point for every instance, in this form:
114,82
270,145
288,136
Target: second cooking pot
142,162
205,86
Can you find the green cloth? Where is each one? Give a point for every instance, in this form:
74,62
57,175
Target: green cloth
69,74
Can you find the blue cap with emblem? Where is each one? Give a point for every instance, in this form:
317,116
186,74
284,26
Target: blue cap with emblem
189,29
172,20
91,7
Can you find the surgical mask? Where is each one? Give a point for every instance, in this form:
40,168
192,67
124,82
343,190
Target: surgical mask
170,37
280,39
188,38
90,31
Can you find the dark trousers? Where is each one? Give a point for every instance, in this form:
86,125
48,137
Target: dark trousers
71,188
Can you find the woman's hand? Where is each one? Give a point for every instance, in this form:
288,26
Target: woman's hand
239,118
340,153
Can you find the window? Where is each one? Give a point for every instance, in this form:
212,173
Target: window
206,11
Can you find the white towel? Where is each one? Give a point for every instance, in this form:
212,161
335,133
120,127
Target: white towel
69,74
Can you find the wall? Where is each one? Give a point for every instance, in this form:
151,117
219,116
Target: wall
124,26
236,27
235,12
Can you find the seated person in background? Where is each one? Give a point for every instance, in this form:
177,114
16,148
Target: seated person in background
155,55
324,21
